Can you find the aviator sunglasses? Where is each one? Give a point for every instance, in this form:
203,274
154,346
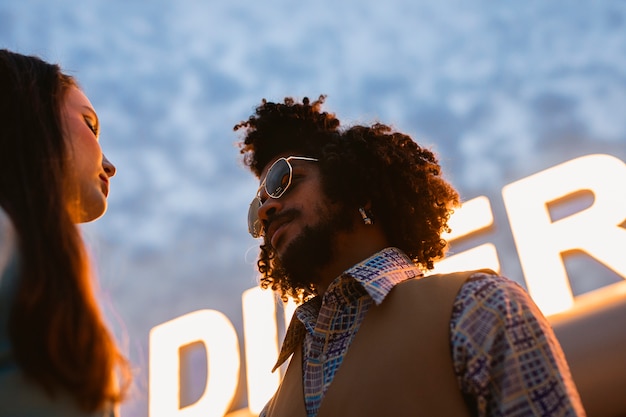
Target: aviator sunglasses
276,183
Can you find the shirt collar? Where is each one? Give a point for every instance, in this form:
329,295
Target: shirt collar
377,275
382,271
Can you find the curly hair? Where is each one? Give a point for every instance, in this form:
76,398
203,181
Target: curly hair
401,180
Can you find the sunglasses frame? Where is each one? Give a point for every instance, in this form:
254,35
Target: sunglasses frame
255,228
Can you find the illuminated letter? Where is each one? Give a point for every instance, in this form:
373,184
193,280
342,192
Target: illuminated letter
595,230
473,216
261,344
220,339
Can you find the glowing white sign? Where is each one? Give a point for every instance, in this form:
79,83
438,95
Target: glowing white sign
595,230
261,344
220,339
540,242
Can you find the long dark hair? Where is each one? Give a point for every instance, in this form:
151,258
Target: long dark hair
58,336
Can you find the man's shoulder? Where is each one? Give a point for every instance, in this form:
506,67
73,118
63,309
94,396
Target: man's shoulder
454,288
445,282
485,285
421,295
492,297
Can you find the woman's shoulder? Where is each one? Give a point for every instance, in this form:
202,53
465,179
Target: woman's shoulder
5,222
6,225
8,240
21,398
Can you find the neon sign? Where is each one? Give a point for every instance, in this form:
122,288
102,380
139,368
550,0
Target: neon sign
540,238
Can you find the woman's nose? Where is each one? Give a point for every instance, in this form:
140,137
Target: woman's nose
109,168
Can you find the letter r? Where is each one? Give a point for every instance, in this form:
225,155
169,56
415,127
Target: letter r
595,230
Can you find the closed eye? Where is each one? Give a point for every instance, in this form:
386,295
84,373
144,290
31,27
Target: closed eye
91,119
92,126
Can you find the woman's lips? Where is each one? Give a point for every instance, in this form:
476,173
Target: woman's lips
105,185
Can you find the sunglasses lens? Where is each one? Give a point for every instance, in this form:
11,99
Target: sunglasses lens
255,228
276,182
278,178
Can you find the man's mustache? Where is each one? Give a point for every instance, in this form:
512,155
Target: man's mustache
282,217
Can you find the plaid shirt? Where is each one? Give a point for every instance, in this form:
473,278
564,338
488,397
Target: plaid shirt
505,355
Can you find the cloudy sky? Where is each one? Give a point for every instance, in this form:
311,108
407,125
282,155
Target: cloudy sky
500,90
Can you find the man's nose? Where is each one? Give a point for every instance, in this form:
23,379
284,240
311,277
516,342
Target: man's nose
268,209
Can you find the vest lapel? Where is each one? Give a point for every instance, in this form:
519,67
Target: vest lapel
289,399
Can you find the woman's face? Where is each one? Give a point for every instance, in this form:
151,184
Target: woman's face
88,170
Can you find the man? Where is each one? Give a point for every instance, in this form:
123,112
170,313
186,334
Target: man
350,219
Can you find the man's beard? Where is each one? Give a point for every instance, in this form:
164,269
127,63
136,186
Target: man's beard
313,249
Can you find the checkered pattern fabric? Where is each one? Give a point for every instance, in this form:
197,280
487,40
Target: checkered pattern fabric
505,355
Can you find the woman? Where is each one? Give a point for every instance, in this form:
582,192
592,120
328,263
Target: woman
57,357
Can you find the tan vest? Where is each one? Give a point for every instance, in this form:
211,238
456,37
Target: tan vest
410,333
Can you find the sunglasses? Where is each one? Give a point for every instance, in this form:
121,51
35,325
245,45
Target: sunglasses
275,184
